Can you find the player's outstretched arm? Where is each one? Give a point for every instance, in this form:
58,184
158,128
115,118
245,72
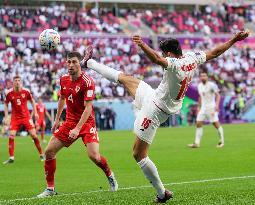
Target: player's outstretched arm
152,54
241,35
84,117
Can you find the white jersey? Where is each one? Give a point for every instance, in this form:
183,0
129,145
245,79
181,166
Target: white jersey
176,78
207,94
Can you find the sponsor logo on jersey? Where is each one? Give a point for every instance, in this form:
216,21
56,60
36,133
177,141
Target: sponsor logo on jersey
189,67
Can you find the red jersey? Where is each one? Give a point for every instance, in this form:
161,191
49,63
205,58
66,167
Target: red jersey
76,93
41,110
18,101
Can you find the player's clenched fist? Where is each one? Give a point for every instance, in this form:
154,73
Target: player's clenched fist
241,35
138,40
73,134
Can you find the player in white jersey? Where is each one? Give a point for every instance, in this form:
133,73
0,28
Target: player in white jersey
208,109
156,105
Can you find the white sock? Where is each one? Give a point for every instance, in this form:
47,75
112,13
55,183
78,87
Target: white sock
107,72
199,133
151,173
221,134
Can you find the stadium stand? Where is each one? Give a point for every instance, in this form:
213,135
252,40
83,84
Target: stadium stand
234,72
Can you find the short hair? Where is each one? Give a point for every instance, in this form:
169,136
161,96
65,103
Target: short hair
171,45
73,54
203,71
16,77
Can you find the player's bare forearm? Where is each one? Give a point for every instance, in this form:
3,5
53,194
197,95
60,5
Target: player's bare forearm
48,115
199,103
152,54
5,110
225,46
217,100
61,105
85,115
219,50
34,106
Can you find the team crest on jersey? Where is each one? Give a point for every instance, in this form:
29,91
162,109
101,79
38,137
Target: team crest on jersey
23,95
64,88
77,88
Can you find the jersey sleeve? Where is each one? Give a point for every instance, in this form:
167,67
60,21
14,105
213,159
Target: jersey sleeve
215,88
29,95
198,56
89,93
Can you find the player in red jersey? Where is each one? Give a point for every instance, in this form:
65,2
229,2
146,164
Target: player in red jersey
40,123
18,97
77,92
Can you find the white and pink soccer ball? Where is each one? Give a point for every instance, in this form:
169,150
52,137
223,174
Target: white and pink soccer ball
49,39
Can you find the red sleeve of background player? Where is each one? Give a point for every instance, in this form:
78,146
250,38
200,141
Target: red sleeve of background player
29,95
89,93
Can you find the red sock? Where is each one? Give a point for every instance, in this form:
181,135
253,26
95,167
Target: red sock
11,145
104,166
38,145
50,168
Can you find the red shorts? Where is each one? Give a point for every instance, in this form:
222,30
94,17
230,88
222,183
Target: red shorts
41,123
26,122
88,133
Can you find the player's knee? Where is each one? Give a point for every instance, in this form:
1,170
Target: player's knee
49,154
94,156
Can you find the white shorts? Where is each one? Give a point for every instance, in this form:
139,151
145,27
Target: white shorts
208,115
148,116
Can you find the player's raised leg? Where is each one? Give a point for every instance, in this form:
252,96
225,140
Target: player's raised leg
140,153
12,135
129,82
198,136
220,133
33,135
101,162
50,166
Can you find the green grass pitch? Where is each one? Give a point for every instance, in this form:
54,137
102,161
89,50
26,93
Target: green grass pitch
79,181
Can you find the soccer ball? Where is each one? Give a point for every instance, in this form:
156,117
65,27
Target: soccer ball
49,39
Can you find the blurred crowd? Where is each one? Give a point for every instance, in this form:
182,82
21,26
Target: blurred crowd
59,17
211,19
234,72
208,19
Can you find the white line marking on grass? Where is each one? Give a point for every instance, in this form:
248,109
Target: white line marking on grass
135,187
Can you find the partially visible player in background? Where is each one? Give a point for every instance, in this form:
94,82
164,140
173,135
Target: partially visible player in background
208,109
155,106
40,123
77,92
20,116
